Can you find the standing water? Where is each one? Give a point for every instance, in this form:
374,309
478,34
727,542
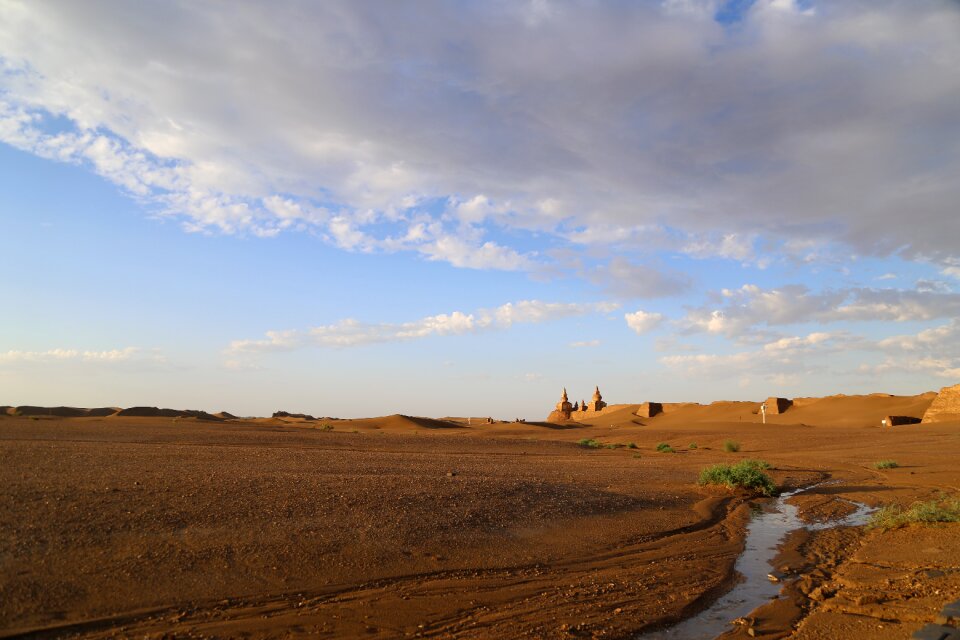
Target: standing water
767,529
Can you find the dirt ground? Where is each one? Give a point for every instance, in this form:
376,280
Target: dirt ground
399,527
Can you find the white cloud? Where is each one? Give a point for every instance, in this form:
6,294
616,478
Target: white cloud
741,312
585,343
643,322
488,255
77,355
661,114
732,246
782,359
352,333
934,351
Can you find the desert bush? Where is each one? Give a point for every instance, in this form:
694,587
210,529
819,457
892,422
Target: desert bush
731,446
613,445
590,443
663,447
758,464
742,475
637,455
326,426
632,445
885,464
942,509
692,445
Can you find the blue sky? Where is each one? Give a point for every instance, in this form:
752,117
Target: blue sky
448,209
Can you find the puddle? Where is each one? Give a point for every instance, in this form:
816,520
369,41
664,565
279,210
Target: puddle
768,527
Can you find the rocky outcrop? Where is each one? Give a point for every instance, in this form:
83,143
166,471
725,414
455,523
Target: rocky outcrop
154,412
945,407
62,412
649,409
286,414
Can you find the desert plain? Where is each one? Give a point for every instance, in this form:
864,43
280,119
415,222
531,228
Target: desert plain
214,526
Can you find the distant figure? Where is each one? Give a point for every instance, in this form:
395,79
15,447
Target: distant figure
576,406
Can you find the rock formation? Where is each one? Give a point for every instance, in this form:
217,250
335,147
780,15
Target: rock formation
945,407
649,409
777,405
287,414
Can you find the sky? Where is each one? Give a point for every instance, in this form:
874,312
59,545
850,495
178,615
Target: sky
453,208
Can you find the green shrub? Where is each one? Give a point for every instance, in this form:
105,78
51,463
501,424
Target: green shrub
663,447
590,443
731,446
326,426
743,475
942,509
613,445
757,464
637,455
693,445
632,445
885,464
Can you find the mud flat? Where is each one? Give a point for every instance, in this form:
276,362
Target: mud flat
400,527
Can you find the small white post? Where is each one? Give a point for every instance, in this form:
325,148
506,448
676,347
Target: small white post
763,412
883,422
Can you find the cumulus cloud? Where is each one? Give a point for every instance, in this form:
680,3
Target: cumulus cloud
352,333
643,322
739,312
793,357
935,351
364,112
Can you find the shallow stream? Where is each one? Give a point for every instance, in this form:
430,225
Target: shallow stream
768,527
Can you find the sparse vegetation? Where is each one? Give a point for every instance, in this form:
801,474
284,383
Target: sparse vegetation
942,509
590,443
326,426
743,475
637,455
632,445
663,447
758,464
731,446
613,445
885,464
692,445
